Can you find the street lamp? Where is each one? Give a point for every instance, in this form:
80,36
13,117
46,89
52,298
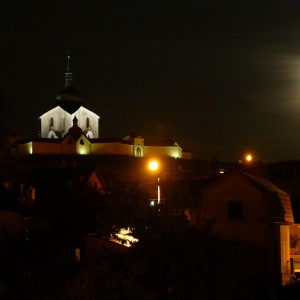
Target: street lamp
249,158
154,166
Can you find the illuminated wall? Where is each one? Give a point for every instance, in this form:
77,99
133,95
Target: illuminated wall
171,151
25,149
63,121
82,114
104,148
84,146
70,146
138,147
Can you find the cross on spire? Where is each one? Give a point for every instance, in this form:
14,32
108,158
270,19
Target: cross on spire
68,73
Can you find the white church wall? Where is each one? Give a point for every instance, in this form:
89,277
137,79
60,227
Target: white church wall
58,115
45,126
82,114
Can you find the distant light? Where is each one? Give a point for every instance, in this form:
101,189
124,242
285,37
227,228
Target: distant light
249,158
221,171
152,203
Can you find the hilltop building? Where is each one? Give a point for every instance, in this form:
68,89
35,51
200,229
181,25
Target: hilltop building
56,122
69,127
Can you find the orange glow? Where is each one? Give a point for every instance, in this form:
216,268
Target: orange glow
249,158
153,165
124,237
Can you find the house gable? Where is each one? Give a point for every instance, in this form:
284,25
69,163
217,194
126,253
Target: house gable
75,145
235,188
88,121
96,181
239,207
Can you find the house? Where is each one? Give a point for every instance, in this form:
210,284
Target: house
255,216
286,175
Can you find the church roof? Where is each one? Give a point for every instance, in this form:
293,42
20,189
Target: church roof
68,93
69,105
68,98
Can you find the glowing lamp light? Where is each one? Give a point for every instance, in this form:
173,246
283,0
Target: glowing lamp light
153,165
249,158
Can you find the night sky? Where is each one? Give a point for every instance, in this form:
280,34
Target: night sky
220,77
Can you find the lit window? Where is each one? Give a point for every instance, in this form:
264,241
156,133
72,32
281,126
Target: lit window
77,254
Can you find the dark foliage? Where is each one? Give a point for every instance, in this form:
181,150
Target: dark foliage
172,259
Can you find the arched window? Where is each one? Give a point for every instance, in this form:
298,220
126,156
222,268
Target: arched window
87,122
138,152
51,122
81,142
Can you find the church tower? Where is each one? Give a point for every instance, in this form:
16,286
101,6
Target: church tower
56,122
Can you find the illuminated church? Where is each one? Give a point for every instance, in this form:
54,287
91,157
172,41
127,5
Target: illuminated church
69,127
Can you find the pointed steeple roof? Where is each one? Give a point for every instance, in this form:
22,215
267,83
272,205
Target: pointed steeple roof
68,73
68,93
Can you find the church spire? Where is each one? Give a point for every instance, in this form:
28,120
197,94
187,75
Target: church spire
68,73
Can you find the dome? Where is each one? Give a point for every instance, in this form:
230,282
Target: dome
68,93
